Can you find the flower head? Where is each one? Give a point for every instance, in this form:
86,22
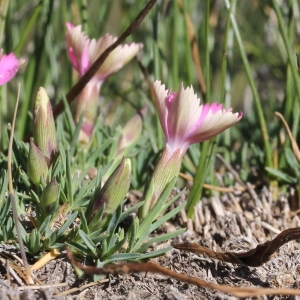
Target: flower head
9,66
131,132
185,121
83,52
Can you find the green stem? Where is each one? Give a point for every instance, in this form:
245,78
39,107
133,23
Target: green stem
3,12
157,70
175,45
84,15
225,77
197,188
35,64
256,99
187,45
287,44
207,57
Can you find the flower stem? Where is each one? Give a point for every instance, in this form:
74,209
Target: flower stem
290,56
256,98
196,190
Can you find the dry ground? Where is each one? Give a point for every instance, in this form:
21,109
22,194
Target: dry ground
233,222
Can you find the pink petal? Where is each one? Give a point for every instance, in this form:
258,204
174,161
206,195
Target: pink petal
160,93
69,25
213,124
9,66
214,107
78,48
83,52
185,121
182,116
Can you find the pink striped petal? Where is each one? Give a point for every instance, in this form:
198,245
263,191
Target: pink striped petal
83,52
117,59
78,48
185,121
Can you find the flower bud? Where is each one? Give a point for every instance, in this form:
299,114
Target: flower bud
131,131
113,192
44,126
86,103
37,167
49,195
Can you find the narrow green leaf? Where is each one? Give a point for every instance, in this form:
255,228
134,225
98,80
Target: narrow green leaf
68,115
123,257
74,141
88,242
156,253
83,225
80,249
156,209
292,161
115,248
281,175
161,238
69,190
130,210
134,227
167,216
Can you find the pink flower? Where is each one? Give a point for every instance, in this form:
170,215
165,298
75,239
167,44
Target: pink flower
83,52
185,121
9,66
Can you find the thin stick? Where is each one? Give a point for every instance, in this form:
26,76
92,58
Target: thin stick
142,267
78,87
12,197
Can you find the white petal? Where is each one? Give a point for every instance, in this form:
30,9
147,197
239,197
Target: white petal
183,115
116,59
214,124
160,93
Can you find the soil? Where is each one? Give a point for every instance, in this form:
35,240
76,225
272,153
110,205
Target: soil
232,222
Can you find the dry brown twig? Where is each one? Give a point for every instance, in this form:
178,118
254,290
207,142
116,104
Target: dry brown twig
154,268
252,258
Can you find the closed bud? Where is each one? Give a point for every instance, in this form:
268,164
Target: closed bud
49,195
37,167
131,132
44,126
113,192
